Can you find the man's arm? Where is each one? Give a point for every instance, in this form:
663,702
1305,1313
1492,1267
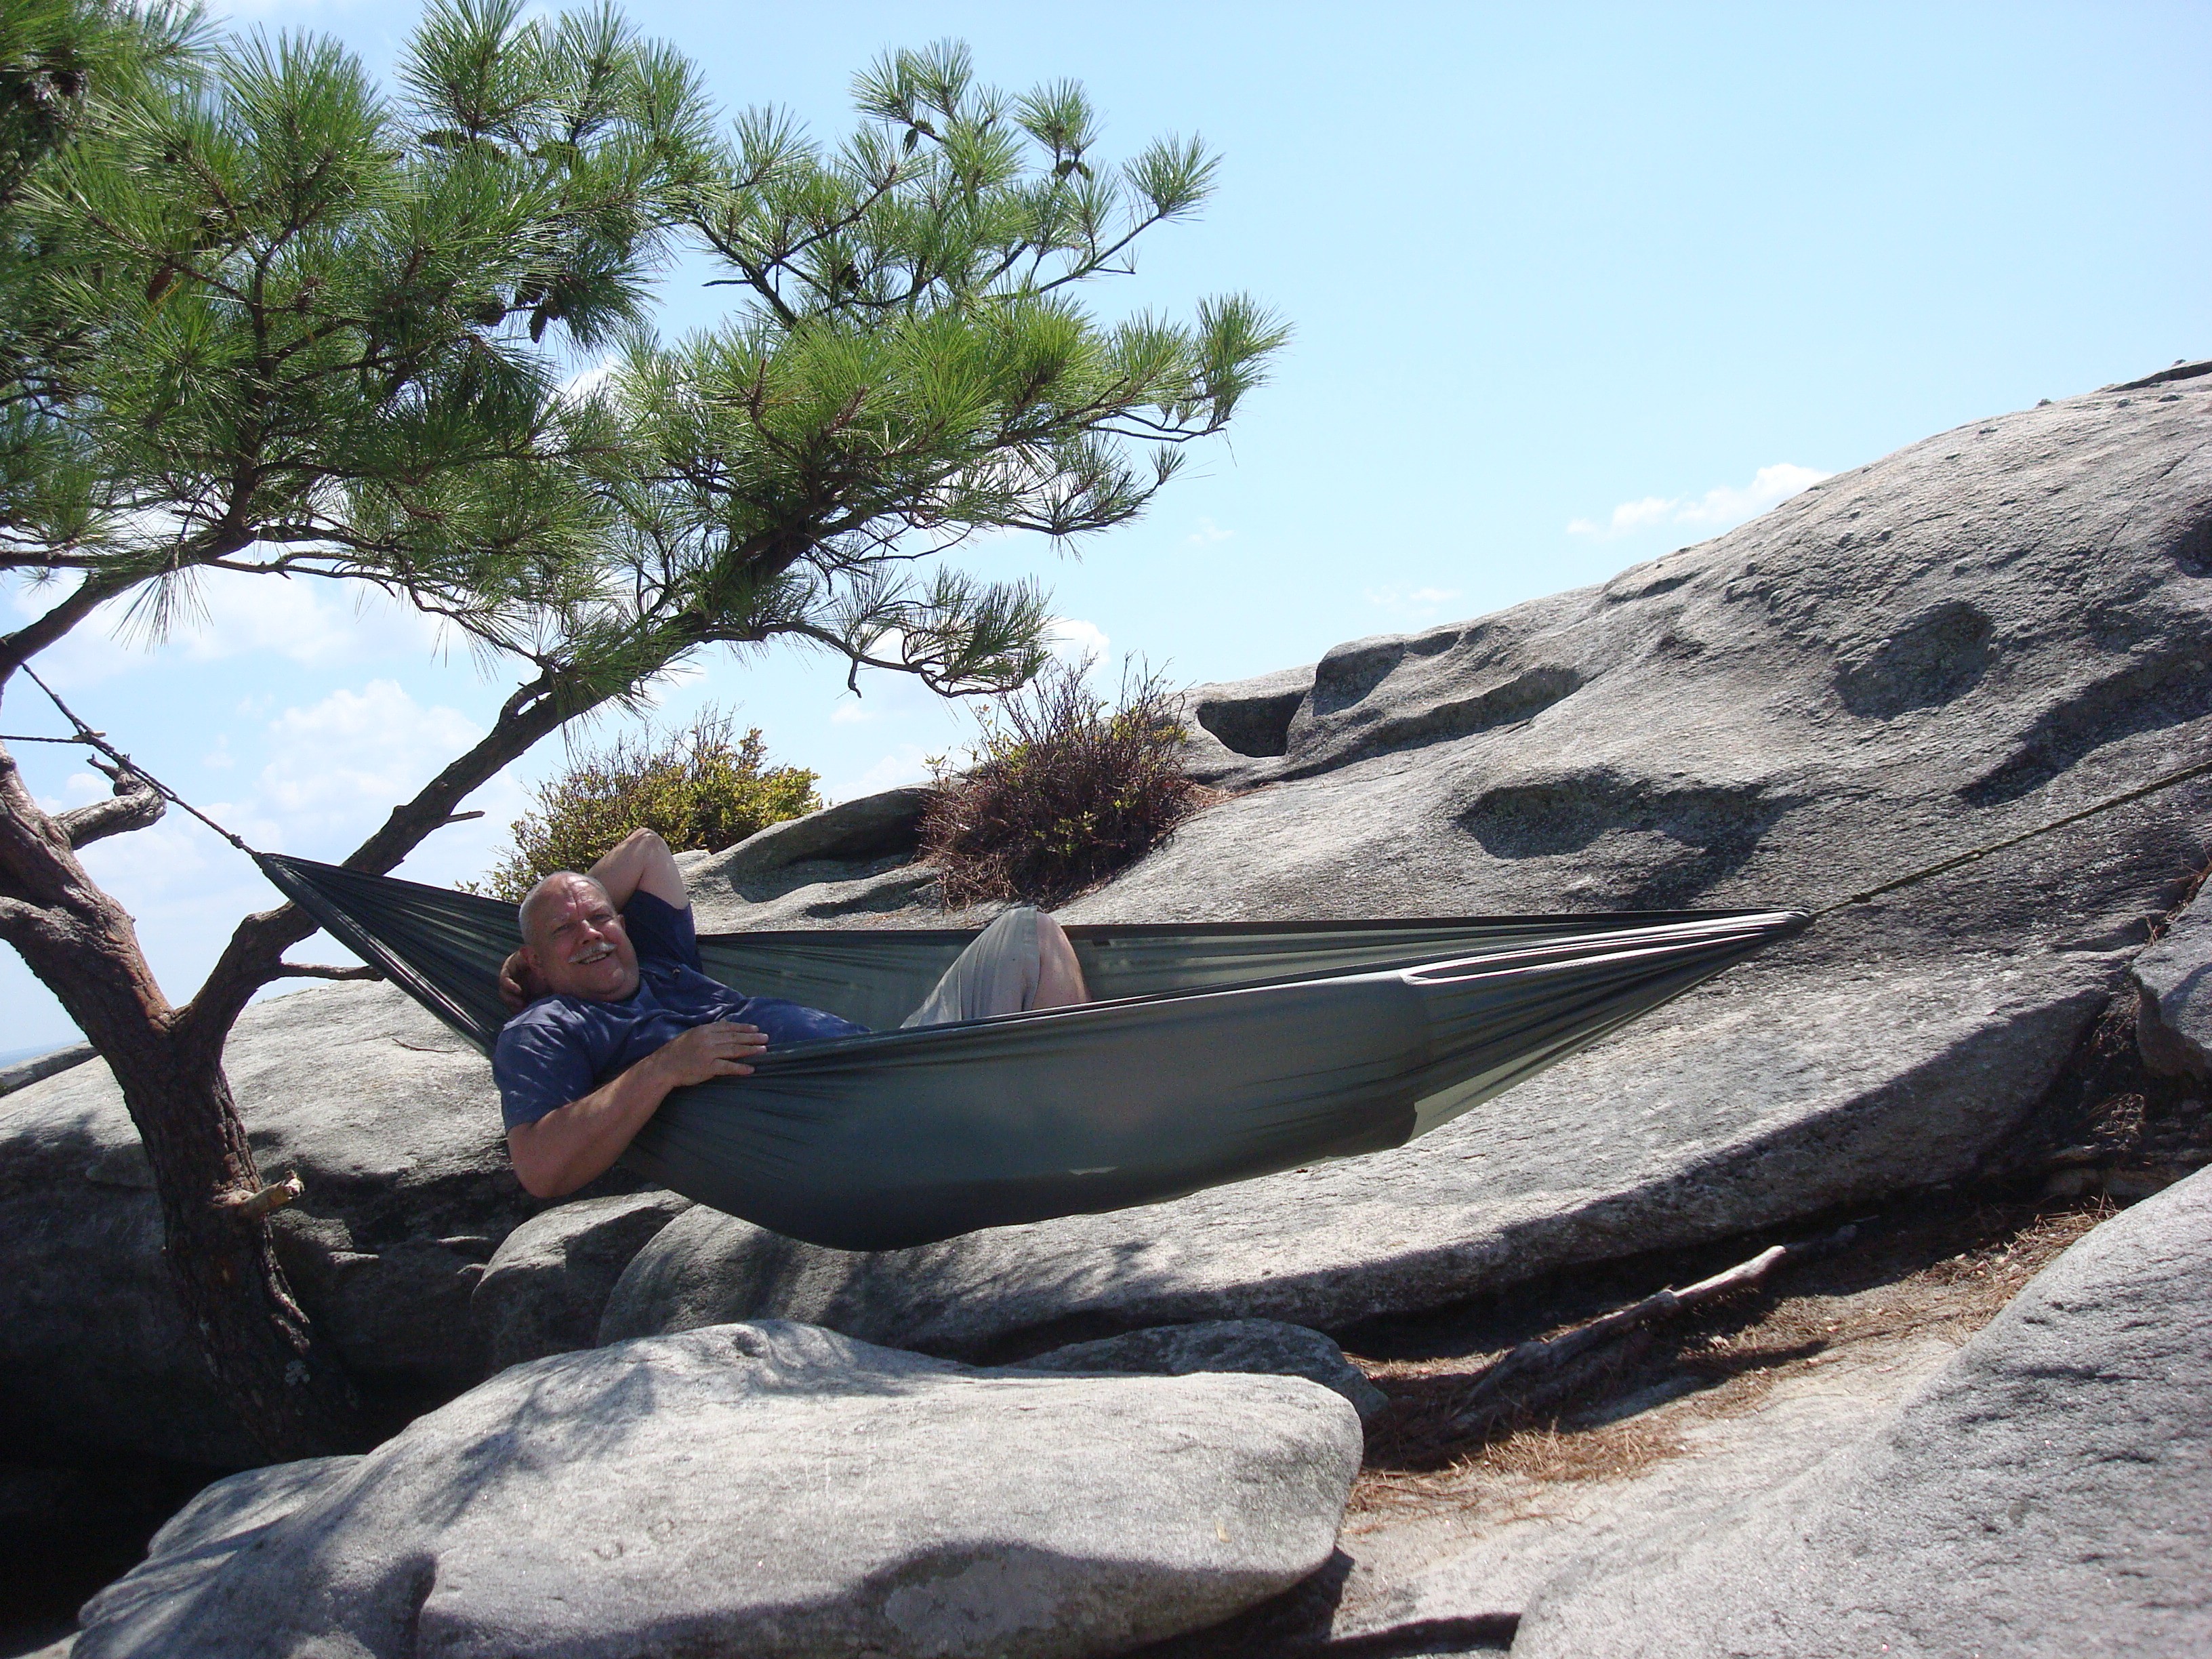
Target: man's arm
642,864
568,1147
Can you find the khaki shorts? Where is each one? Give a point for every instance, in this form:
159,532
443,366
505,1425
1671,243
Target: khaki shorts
997,974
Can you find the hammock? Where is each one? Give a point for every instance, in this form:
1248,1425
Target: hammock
1219,1051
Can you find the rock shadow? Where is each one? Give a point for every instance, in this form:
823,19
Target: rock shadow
1936,657
1258,727
1522,697
1700,832
2150,693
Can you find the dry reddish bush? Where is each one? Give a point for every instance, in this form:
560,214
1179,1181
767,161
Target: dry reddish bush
1064,790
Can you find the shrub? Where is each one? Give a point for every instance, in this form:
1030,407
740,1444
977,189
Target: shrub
705,788
1064,790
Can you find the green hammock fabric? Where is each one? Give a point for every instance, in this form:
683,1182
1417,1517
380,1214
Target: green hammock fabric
1219,1051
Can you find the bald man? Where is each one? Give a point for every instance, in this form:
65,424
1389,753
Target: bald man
613,1009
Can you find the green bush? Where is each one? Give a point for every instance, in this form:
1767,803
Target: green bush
1064,789
705,788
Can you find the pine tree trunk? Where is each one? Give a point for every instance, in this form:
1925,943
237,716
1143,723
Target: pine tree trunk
289,1391
285,1382
291,1395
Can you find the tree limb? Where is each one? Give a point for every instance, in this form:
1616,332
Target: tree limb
251,1207
254,955
1539,1372
27,642
134,804
321,970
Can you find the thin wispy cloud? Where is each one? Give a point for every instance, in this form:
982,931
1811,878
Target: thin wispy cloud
1207,534
311,622
1718,508
1413,603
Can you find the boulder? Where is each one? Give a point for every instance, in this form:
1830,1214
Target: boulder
1231,725
24,1072
1977,634
2048,1492
544,1288
393,1121
854,858
2173,990
1266,1347
765,1489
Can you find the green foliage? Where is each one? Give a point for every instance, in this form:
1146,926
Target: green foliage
63,64
705,788
303,328
910,362
1063,790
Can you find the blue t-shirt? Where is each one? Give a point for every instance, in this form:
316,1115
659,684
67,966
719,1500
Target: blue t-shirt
561,1047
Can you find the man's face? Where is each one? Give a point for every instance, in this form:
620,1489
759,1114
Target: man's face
578,944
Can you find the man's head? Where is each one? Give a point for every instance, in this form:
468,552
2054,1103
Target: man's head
572,938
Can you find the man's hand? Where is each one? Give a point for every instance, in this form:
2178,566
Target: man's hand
569,1146
707,1051
519,984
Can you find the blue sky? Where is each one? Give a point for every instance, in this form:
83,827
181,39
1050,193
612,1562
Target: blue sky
1573,286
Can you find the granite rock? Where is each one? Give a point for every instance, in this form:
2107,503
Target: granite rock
546,1286
1266,1347
393,1123
2173,989
2049,1492
768,1489
1978,634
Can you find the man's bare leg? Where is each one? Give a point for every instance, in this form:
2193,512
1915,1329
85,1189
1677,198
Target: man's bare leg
1059,975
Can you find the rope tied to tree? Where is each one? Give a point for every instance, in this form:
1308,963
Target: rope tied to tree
93,739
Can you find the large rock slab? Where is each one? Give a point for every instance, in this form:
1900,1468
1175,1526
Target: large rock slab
853,861
770,1490
38,1067
1450,1564
1978,634
546,1287
2050,1492
393,1122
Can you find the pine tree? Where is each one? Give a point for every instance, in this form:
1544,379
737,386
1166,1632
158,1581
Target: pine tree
276,321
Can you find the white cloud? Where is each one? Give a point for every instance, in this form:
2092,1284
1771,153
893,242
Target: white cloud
1075,638
1717,508
1416,604
1207,534
907,764
343,762
852,711
584,382
314,623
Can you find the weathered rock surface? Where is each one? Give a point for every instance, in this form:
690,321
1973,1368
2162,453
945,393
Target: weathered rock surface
2049,1492
1450,1567
2173,985
855,860
1266,1347
546,1287
24,1072
763,1489
394,1124
1976,634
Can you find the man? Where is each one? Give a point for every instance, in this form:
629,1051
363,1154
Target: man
613,1011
